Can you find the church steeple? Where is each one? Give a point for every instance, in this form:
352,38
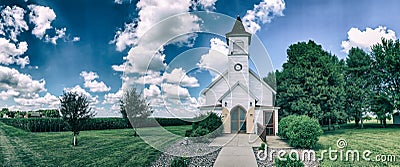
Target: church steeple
238,30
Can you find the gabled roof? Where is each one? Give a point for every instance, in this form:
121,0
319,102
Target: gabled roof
204,91
259,79
223,74
237,84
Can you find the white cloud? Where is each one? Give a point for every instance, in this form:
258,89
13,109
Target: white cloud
263,13
153,78
4,95
122,1
12,79
178,76
113,98
174,91
216,59
47,101
60,34
118,68
10,53
147,40
41,16
12,22
76,39
207,4
153,91
92,84
126,37
77,89
366,39
24,90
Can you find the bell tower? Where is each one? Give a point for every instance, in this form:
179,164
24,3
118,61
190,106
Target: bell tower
238,41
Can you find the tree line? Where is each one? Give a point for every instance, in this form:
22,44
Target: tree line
316,83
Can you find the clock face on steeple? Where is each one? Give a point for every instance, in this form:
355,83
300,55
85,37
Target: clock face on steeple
238,67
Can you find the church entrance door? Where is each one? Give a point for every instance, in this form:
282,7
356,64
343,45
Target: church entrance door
238,120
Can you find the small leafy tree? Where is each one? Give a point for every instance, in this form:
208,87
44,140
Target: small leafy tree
133,107
75,110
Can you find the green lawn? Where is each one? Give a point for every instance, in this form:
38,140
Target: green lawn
380,141
95,148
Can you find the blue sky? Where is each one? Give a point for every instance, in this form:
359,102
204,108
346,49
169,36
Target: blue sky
98,48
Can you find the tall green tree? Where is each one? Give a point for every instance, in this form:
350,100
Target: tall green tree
311,83
386,56
358,75
75,110
133,107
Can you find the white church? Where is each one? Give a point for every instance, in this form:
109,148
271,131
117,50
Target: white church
244,100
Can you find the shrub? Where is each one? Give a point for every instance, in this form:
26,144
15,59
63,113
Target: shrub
188,132
288,162
199,132
303,132
180,162
262,147
211,122
284,125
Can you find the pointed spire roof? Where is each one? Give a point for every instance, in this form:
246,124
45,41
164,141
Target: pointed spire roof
238,29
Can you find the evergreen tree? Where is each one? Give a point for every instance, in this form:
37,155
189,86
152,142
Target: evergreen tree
358,84
311,83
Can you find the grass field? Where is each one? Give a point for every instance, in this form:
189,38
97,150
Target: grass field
95,148
380,141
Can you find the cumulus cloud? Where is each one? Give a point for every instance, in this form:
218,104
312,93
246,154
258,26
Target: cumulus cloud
122,1
12,79
76,39
4,95
41,17
92,84
208,5
147,40
46,101
366,39
216,59
24,90
174,91
11,53
113,98
263,13
178,76
77,89
12,22
152,91
60,34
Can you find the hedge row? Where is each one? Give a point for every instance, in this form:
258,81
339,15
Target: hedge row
57,124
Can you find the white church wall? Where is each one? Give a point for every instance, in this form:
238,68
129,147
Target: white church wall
216,92
264,94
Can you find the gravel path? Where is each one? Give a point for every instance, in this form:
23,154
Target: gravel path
199,154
